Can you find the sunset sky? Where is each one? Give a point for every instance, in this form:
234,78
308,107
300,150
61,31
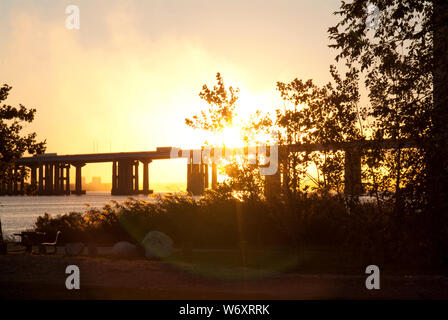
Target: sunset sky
128,78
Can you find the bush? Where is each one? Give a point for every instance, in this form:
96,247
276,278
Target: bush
220,220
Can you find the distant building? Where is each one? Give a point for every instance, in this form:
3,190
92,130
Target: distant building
96,181
95,185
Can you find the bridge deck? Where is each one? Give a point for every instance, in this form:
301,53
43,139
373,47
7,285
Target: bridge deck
95,157
164,153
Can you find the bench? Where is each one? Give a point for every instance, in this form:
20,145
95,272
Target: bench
44,245
30,238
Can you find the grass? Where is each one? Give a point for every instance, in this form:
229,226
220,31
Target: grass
233,264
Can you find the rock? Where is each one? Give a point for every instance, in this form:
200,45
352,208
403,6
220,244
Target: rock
157,245
124,249
74,249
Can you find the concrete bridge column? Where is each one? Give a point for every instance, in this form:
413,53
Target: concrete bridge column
125,178
146,176
125,183
48,179
197,179
114,177
15,182
214,176
190,183
33,177
188,176
41,179
51,179
352,184
22,183
272,185
78,181
67,179
56,179
283,167
136,177
206,177
195,176
61,178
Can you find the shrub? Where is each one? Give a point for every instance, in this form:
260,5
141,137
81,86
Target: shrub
220,220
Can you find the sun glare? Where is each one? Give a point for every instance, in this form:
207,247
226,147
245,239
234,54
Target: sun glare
230,137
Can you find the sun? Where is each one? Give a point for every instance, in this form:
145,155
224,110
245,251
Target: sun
230,137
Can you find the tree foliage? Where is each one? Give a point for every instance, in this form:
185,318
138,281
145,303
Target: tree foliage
405,62
320,115
13,143
221,110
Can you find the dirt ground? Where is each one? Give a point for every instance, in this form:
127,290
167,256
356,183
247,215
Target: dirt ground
43,277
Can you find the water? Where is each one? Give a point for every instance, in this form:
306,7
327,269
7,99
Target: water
19,213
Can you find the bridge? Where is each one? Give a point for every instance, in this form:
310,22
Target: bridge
50,173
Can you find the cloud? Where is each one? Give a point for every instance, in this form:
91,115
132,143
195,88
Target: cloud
128,78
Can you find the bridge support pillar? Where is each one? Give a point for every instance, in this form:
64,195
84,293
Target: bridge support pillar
56,184
15,182
214,176
114,177
135,177
352,183
206,177
124,177
33,178
61,184
78,182
146,163
22,183
61,181
272,185
195,177
41,179
67,179
48,179
145,176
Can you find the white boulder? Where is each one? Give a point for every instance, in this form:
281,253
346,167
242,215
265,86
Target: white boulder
157,245
124,249
74,249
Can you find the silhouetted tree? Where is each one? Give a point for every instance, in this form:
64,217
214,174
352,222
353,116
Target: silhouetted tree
221,110
319,115
14,144
405,60
243,178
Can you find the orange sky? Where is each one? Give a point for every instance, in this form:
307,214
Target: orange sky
127,79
